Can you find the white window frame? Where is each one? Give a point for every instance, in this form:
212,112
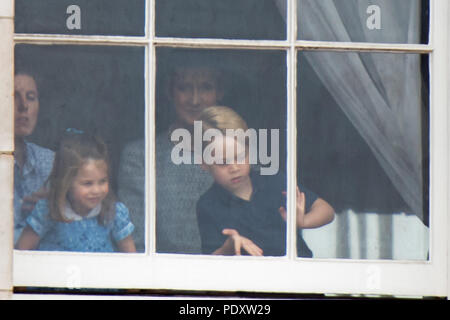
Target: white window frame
217,273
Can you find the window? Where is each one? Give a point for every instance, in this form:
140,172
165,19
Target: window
354,93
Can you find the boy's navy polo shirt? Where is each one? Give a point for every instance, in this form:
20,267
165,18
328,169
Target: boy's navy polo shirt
257,219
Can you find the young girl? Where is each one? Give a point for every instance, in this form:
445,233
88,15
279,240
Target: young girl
81,213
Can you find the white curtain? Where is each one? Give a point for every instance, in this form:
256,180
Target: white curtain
364,236
380,93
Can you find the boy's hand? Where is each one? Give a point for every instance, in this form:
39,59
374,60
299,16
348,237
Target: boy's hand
235,243
300,209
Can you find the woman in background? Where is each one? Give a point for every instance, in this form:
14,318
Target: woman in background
32,163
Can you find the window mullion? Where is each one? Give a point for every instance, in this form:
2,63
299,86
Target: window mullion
364,46
291,248
150,19
150,181
150,199
60,39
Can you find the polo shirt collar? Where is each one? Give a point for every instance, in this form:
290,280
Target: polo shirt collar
226,196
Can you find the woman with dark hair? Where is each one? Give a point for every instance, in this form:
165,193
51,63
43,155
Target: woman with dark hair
32,163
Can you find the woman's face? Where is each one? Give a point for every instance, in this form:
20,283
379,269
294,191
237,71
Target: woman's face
193,90
26,105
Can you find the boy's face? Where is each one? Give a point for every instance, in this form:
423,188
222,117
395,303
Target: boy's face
194,89
233,174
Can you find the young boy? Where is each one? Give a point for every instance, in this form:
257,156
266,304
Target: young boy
244,212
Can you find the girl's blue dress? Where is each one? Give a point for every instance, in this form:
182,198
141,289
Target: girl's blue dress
84,234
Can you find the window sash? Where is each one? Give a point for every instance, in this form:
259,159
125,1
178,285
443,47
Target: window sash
152,270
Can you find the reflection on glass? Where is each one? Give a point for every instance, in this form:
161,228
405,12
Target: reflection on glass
400,21
86,17
70,129
249,19
363,132
196,196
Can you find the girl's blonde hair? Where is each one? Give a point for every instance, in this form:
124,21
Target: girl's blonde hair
221,118
74,150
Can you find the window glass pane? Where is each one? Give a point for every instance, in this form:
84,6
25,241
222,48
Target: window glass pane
196,196
363,146
248,19
400,21
84,17
68,94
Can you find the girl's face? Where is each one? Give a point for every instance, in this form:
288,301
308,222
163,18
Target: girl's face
194,89
26,105
90,186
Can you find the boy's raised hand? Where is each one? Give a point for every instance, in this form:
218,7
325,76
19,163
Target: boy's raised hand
300,209
235,243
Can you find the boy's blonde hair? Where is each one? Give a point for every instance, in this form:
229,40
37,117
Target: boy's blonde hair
221,118
74,150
